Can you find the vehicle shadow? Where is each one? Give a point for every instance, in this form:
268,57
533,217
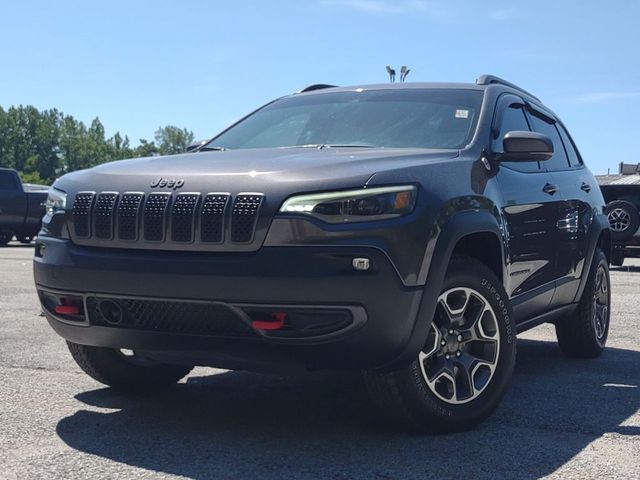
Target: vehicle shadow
626,268
243,425
18,245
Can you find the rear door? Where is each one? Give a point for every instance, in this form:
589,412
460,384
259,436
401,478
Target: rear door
13,202
528,207
576,193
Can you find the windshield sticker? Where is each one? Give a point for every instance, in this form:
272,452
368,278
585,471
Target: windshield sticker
462,113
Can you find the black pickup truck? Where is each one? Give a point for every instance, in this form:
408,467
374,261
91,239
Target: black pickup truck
21,207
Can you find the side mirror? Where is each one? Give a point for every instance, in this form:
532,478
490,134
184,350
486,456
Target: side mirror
520,146
196,145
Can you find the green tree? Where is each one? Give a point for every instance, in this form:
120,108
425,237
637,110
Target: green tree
145,149
43,145
172,140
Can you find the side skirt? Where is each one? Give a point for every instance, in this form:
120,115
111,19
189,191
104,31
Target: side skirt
548,317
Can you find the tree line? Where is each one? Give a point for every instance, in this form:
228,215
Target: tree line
45,144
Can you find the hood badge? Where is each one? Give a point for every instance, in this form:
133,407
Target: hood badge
174,183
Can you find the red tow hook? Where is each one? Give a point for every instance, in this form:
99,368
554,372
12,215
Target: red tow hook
66,308
275,324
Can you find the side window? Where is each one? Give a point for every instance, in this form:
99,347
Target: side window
514,118
574,158
8,181
559,160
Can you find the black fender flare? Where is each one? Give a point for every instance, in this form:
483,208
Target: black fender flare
599,225
457,227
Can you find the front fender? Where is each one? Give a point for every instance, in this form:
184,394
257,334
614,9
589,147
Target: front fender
456,228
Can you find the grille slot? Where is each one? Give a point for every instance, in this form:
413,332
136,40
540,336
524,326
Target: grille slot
81,213
155,213
103,213
244,216
198,318
183,217
128,214
212,217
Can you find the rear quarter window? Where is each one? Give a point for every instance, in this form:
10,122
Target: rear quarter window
8,181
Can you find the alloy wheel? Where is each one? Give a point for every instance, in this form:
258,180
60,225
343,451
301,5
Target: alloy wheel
619,219
601,303
463,347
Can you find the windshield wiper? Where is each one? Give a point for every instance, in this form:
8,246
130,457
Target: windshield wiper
212,149
320,146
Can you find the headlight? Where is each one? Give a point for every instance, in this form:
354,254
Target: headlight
355,205
56,201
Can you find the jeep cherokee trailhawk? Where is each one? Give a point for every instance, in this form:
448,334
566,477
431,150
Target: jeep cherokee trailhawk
406,230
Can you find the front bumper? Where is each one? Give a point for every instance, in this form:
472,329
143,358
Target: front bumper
311,279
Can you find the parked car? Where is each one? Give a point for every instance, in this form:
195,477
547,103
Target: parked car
623,210
407,230
21,207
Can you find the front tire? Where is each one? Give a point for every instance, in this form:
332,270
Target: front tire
584,334
460,376
122,371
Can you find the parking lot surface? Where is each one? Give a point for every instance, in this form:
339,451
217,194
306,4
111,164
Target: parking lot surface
562,418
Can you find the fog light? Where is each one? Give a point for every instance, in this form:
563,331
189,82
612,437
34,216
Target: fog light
39,250
361,264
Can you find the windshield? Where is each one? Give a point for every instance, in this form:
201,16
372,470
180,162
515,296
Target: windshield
398,118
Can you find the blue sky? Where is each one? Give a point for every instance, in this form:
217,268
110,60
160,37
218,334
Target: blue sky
138,65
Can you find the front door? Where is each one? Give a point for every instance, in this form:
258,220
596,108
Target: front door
529,208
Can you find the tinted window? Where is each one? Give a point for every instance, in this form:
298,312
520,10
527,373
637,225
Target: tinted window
513,119
574,158
8,181
559,160
407,118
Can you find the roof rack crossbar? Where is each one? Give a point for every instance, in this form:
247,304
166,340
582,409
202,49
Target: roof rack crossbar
491,79
315,86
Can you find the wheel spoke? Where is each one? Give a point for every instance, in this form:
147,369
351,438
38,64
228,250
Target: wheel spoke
433,343
455,313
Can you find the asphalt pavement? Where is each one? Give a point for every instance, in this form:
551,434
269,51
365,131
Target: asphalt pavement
561,418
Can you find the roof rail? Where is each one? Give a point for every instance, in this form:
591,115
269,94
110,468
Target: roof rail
315,86
491,79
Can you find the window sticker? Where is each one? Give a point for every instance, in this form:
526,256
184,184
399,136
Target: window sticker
462,113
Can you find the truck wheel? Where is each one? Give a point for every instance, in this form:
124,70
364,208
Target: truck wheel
125,372
467,362
617,258
5,238
584,333
624,219
25,240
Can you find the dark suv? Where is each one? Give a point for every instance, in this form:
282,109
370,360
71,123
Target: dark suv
623,209
406,230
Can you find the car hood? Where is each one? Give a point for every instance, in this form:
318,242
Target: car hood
285,170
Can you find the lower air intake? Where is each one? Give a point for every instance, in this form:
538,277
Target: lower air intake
195,318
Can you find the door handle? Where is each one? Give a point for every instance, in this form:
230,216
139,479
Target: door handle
550,189
585,187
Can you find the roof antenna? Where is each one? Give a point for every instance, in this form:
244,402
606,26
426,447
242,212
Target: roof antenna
392,74
404,71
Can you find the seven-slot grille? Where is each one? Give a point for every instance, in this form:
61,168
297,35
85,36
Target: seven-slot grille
163,216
